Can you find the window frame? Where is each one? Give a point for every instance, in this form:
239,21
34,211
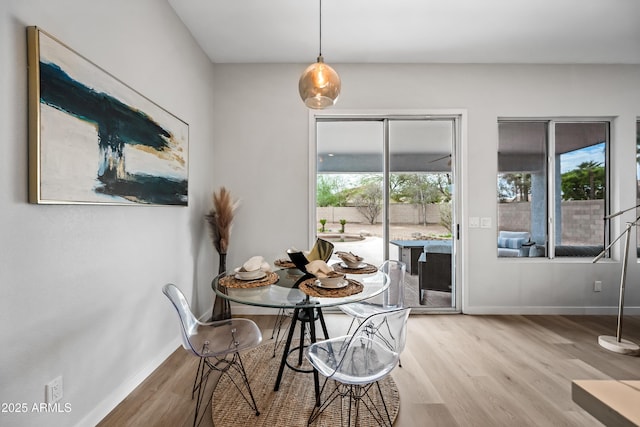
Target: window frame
550,150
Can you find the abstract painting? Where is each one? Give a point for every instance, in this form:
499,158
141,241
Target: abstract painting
95,140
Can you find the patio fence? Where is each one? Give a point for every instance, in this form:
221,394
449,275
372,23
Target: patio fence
581,220
400,214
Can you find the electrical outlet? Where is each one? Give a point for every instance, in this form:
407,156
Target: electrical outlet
597,286
53,390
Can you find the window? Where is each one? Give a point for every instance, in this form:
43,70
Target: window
638,183
552,187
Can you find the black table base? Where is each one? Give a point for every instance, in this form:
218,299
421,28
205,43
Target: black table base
305,316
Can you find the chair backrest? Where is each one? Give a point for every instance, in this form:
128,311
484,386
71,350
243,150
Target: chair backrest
188,321
393,297
374,348
212,339
390,328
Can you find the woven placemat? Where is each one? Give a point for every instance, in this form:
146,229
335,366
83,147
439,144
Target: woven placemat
232,282
367,269
308,287
284,263
292,404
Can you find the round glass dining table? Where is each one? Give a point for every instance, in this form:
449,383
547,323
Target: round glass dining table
286,294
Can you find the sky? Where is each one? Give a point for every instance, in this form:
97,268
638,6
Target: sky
570,161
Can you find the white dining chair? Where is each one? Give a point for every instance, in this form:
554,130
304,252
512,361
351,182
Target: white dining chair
353,364
392,298
217,344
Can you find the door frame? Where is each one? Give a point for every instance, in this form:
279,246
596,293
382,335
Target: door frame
458,149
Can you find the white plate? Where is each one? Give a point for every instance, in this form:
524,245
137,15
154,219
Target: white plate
256,276
361,265
338,286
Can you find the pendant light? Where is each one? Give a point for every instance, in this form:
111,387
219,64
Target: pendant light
319,84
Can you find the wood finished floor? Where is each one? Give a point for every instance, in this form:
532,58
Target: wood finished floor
457,370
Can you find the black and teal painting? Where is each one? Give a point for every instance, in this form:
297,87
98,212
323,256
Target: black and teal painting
100,140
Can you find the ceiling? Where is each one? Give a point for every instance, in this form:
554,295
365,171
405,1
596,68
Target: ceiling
416,31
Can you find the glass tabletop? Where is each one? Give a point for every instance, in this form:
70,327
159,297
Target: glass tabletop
283,294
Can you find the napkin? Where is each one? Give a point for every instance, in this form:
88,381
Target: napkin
321,269
255,263
349,257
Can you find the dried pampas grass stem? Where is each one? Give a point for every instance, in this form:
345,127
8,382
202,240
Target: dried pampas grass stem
220,219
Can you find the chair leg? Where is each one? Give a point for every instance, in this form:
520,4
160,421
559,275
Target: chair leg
201,386
353,319
383,419
277,322
239,367
322,323
353,396
196,384
384,404
225,367
333,395
277,329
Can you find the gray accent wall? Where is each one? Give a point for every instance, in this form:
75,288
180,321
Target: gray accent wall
80,286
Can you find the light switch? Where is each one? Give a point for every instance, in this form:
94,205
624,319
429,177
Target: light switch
485,222
474,222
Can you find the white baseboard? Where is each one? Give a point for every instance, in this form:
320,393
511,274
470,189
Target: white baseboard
121,392
634,311
249,309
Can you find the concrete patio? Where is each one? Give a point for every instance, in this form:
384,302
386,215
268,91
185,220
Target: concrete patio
370,248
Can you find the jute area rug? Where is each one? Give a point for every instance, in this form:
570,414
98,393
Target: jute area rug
292,404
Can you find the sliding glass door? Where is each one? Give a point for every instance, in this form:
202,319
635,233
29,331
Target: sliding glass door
384,190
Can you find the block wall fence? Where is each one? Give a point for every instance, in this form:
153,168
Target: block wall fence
581,219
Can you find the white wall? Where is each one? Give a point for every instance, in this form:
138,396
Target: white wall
262,146
80,286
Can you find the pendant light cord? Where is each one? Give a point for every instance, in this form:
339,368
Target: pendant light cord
320,28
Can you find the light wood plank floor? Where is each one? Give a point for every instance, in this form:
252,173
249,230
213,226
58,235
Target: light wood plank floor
457,370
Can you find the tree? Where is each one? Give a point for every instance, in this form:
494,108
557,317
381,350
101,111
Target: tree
514,187
446,216
396,183
443,181
368,199
586,182
423,189
330,191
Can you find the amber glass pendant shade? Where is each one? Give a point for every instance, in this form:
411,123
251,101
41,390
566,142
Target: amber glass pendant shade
319,85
